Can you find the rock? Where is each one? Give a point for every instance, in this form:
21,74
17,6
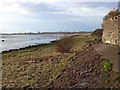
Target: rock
90,65
98,73
90,70
83,84
3,40
81,73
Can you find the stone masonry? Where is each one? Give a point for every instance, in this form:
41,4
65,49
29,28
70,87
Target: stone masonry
111,27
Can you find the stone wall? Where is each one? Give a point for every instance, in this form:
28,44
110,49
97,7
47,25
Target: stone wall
119,6
119,30
111,30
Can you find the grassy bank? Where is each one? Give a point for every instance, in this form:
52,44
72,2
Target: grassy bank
40,65
70,62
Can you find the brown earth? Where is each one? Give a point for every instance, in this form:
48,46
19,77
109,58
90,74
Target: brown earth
110,52
85,71
97,33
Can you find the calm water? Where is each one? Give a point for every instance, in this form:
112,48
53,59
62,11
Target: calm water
20,41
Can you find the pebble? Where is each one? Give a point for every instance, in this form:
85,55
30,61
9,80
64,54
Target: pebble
83,84
81,73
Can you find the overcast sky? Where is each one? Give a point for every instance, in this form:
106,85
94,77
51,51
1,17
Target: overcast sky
38,16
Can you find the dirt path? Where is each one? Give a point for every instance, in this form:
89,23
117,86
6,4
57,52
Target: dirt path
86,70
109,52
81,72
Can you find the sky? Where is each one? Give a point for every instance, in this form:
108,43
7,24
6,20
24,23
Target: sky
19,16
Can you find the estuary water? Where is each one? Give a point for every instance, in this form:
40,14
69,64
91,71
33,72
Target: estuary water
9,42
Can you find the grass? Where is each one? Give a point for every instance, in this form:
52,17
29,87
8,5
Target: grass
107,66
18,72
58,69
64,45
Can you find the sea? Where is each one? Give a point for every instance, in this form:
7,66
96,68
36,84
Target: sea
10,42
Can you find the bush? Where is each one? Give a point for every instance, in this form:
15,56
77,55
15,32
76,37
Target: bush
64,45
107,66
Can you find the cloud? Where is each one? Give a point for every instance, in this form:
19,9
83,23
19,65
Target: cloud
77,9
51,15
62,7
12,6
84,11
17,6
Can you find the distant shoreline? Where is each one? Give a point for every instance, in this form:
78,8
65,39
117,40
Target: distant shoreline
43,33
30,46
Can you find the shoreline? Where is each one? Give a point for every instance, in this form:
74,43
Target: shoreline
45,33
27,47
45,65
31,46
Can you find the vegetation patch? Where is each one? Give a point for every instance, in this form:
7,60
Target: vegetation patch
107,65
64,45
40,65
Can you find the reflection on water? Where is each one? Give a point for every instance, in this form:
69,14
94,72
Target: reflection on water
9,42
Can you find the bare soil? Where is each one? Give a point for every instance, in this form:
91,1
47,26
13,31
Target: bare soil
86,71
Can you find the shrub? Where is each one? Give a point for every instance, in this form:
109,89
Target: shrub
64,45
107,66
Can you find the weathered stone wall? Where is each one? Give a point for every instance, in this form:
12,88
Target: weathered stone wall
119,30
119,6
111,30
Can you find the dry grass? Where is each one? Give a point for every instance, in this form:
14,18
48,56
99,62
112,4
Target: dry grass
40,65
